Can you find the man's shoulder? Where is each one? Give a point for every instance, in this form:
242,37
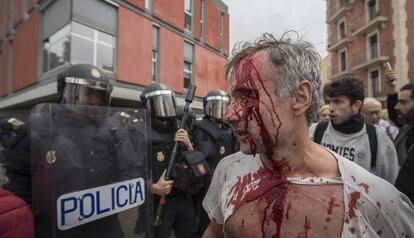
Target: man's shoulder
236,159
360,179
238,164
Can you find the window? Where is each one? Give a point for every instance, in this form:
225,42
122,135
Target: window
373,46
341,30
188,64
375,83
76,37
91,46
56,49
188,15
76,43
342,60
222,31
372,9
155,53
148,5
202,19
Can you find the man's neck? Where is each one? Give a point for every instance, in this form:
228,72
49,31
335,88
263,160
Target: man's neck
303,157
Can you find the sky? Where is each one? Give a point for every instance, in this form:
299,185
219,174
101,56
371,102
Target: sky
250,18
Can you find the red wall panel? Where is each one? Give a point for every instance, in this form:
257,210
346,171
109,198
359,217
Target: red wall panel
171,59
170,11
25,53
197,18
17,11
212,25
138,3
3,70
134,47
30,4
209,71
226,33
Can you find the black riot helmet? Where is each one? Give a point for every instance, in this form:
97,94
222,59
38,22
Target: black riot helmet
84,84
159,100
215,104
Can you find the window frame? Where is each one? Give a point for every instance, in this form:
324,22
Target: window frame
156,76
368,12
340,60
191,14
368,37
371,83
338,27
191,62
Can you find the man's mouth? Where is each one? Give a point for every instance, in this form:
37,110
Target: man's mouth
242,134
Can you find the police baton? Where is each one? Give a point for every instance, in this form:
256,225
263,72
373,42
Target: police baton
188,99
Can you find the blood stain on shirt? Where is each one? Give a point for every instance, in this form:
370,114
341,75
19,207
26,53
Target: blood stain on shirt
354,197
289,206
353,178
306,228
365,186
378,205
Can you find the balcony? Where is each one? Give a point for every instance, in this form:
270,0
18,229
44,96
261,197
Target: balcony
335,74
339,44
361,25
364,59
342,9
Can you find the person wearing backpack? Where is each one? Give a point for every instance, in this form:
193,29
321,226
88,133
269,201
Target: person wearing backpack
348,135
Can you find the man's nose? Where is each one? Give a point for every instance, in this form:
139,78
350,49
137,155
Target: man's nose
397,106
233,113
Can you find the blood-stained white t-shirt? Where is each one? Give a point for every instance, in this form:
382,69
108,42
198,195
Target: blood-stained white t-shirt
372,206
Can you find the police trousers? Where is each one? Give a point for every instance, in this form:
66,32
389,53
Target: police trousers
179,214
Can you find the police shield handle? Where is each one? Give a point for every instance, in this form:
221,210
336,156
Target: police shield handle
188,99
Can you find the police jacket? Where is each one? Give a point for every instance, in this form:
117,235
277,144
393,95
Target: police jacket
186,181
82,152
214,142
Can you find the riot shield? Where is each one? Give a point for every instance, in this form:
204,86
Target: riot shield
90,172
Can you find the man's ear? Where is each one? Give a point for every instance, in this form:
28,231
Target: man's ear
357,106
302,98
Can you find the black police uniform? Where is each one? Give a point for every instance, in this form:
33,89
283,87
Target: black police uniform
89,153
179,212
214,141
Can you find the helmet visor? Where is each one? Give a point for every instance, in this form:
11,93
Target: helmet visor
216,106
161,103
76,94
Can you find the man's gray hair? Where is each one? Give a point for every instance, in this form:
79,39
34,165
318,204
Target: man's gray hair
372,100
293,60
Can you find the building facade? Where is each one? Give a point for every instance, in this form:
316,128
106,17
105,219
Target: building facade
136,42
365,34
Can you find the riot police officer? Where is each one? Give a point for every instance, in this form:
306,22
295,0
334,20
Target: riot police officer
86,147
215,139
179,212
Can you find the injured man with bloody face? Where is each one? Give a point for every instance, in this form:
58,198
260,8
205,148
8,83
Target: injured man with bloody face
282,184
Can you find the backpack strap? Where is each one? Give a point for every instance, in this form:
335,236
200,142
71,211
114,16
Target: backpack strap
319,131
372,137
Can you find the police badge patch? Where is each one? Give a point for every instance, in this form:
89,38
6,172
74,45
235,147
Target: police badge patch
95,73
51,156
222,150
160,156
